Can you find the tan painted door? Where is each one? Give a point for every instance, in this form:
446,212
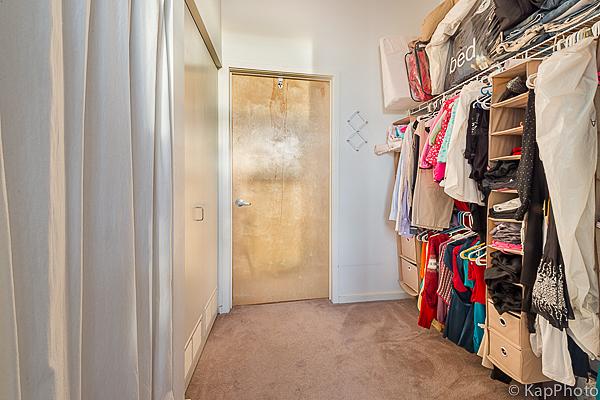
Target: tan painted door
281,181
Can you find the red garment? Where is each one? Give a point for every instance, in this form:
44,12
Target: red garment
429,296
462,206
434,248
429,299
477,272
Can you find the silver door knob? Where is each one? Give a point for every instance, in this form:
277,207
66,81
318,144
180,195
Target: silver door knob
242,203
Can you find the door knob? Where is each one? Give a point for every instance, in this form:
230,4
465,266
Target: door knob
242,203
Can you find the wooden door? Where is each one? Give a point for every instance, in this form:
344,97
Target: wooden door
281,188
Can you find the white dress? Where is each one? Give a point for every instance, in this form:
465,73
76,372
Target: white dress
457,183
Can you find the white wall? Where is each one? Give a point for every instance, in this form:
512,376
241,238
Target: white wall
340,38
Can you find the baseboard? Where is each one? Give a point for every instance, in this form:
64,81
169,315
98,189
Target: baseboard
376,296
201,332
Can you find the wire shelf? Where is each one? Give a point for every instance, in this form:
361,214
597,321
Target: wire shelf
541,50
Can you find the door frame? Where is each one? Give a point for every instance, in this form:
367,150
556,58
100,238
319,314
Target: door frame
225,276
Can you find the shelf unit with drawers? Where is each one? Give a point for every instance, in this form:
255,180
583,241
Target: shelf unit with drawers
507,334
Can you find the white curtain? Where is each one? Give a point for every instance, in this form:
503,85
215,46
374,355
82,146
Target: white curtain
85,200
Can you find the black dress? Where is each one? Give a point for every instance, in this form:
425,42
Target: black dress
533,192
550,298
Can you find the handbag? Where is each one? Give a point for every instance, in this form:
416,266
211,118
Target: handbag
417,68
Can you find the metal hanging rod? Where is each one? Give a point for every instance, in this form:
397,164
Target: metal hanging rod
562,37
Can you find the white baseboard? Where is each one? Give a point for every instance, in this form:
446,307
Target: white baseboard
376,296
197,341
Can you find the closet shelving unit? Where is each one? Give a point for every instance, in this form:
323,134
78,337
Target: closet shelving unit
507,334
409,249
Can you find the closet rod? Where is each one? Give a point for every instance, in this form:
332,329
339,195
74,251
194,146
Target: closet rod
540,50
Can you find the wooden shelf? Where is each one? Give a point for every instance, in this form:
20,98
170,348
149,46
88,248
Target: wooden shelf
403,121
519,101
509,191
520,67
500,220
506,158
410,291
507,251
518,131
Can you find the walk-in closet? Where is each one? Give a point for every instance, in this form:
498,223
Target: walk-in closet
494,201
299,200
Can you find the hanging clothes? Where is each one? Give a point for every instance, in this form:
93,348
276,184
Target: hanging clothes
406,166
552,345
533,193
428,310
443,154
529,156
550,298
431,207
567,139
457,182
476,147
436,142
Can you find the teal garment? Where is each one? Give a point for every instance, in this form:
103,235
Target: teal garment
443,154
398,132
598,389
468,283
478,318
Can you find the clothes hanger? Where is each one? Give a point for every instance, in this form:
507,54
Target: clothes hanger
481,260
423,236
467,253
472,256
454,229
485,100
596,29
531,80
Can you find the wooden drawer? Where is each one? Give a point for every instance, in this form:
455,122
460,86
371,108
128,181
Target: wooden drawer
508,325
408,249
520,364
505,355
409,274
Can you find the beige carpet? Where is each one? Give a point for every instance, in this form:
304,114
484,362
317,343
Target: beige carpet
317,350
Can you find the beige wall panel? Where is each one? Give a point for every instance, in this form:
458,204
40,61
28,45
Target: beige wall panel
201,175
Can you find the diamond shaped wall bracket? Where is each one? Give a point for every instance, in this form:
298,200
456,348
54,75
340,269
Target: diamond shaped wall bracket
357,122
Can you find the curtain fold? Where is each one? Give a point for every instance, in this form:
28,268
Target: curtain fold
86,200
9,344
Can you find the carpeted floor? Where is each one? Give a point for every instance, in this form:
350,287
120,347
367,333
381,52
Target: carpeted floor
317,350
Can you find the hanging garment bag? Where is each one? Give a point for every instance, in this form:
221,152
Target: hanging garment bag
567,139
417,67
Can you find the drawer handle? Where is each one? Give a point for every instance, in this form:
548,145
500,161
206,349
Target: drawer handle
504,351
502,322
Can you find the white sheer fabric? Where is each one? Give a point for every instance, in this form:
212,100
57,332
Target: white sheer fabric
85,200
